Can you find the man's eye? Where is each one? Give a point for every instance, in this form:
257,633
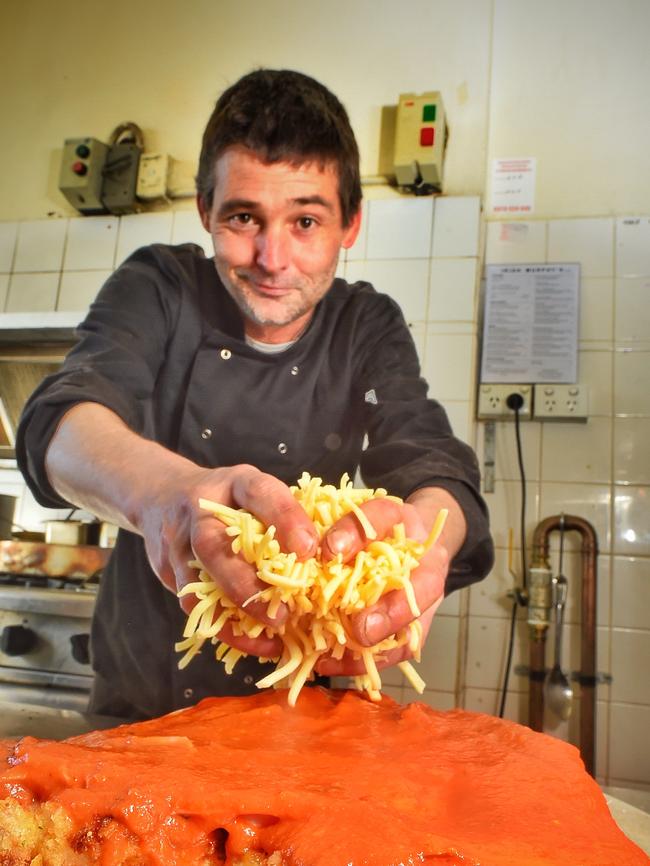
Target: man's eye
306,222
242,219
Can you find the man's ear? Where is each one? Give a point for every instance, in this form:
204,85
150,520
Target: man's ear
204,212
351,231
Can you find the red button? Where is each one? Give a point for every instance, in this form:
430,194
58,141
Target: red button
426,136
80,168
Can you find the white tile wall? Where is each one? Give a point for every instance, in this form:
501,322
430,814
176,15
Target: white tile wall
629,756
632,324
595,370
577,452
632,520
188,229
517,242
632,450
79,289
4,289
596,310
32,293
91,244
633,247
138,230
631,382
587,241
449,364
40,246
405,280
438,666
456,226
452,292
399,228
631,592
8,233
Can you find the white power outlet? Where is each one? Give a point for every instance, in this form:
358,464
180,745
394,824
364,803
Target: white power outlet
492,403
561,403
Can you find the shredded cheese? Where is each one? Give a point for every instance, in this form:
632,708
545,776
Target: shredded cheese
320,595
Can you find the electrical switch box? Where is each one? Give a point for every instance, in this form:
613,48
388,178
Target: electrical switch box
81,174
561,402
420,138
153,175
120,178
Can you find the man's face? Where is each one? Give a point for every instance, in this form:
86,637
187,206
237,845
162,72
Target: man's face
277,231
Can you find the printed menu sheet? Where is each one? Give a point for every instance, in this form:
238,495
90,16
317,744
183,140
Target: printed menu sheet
530,327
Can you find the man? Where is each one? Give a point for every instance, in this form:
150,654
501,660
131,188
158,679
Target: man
227,378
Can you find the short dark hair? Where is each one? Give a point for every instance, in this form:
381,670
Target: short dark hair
283,116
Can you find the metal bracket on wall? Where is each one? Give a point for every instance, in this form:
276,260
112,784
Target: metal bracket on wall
577,677
489,451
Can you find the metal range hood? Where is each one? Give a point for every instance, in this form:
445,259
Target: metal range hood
46,327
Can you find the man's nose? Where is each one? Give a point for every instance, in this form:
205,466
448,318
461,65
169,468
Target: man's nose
272,249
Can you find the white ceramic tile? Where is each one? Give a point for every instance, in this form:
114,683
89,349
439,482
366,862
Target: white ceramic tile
439,663
595,370
505,508
632,520
489,700
632,450
456,226
358,250
596,309
4,290
91,244
591,501
40,246
460,418
489,597
629,755
466,328
32,293
487,649
442,701
590,242
632,310
631,380
419,334
577,452
631,666
399,228
405,280
515,242
630,592
452,291
139,230
188,229
451,605
633,247
79,289
8,232
506,464
449,366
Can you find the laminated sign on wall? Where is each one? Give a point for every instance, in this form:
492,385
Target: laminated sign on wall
530,328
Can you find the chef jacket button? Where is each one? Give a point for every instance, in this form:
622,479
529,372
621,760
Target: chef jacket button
282,448
206,434
188,693
248,679
225,354
294,371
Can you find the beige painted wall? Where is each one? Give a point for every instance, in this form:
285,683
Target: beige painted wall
562,80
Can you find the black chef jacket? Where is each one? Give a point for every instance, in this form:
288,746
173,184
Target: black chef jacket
163,347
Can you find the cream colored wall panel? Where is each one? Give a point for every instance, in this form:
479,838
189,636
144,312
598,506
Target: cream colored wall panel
187,228
8,233
590,242
32,293
79,289
596,310
405,280
400,228
568,82
633,311
632,450
632,520
452,290
39,246
515,242
577,452
139,230
633,246
456,226
91,244
631,592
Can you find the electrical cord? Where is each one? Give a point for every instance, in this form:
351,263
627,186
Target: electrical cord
515,402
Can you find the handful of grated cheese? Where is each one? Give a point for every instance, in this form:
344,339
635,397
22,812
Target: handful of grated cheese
320,596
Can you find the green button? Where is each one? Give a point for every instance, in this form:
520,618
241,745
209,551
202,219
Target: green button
429,113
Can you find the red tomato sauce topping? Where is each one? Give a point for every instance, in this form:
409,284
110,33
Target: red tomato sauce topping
335,781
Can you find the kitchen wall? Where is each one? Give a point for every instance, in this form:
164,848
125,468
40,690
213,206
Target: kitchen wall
564,82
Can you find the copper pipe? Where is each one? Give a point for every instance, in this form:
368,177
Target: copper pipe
570,523
537,676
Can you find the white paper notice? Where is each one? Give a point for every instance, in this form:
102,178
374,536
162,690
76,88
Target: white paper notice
530,329
513,185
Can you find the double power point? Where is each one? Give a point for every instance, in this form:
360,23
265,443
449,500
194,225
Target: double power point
550,402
